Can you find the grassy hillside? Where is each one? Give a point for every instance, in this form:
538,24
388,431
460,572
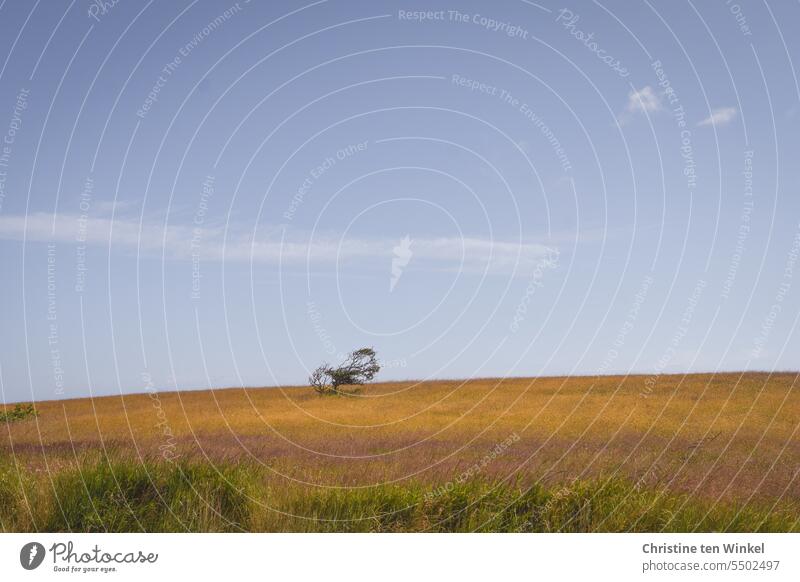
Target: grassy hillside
670,453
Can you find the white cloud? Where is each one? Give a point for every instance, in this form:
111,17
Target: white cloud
645,100
719,116
182,242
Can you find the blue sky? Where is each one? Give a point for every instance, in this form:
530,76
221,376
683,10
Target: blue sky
212,194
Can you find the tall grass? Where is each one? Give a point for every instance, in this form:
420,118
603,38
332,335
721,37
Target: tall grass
127,496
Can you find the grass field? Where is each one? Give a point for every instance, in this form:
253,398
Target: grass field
661,453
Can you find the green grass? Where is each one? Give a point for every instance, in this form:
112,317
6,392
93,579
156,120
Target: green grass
19,412
127,496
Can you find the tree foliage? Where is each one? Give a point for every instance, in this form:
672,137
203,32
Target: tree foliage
358,368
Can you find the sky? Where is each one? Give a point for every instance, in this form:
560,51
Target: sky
208,194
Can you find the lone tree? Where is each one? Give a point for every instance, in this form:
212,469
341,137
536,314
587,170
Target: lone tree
359,367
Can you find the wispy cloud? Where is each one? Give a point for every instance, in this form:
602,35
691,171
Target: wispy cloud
719,116
644,100
640,101
183,242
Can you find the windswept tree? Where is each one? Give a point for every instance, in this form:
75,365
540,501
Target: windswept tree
358,368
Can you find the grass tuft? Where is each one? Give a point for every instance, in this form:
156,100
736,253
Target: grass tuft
19,412
164,497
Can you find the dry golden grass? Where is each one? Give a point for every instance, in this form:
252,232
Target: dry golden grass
716,437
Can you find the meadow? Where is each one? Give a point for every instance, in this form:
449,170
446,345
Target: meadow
637,453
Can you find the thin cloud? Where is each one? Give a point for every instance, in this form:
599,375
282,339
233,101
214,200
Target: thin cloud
185,242
720,116
644,100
